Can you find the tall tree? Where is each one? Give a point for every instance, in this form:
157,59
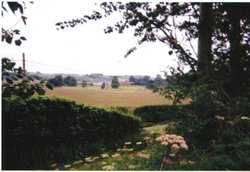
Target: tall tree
103,85
205,39
158,81
235,51
115,82
60,80
132,79
84,83
70,81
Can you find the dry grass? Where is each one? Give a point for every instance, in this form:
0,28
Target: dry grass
126,96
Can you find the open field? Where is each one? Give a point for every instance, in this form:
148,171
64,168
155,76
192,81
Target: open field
125,96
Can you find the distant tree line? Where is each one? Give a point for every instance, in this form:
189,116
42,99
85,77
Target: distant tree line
59,81
147,81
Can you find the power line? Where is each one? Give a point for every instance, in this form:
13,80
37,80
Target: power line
51,66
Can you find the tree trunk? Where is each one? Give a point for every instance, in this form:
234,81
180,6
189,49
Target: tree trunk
235,50
205,40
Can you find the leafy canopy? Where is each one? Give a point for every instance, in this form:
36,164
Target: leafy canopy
178,26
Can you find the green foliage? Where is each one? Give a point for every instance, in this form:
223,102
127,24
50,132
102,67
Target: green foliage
217,133
14,34
84,83
17,82
156,114
219,137
178,86
152,21
70,81
59,81
234,156
54,82
44,129
103,85
115,82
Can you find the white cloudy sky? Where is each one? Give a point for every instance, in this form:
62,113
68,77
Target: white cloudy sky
84,49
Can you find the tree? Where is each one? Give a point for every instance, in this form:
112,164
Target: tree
132,79
237,13
150,84
158,81
84,83
55,82
221,29
70,81
60,80
205,40
115,82
103,85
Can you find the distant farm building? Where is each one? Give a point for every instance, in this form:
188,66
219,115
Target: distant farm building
126,83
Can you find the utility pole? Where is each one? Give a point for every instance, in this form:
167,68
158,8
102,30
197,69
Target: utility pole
24,63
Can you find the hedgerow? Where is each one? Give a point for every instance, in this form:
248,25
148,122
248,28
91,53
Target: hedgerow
43,129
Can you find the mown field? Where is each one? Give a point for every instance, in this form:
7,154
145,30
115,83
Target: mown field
125,96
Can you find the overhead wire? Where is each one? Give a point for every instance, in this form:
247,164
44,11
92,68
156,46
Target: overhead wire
52,66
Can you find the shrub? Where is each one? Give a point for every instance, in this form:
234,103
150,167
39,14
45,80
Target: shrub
42,129
154,114
219,139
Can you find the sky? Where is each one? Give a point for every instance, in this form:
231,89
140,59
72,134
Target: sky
84,49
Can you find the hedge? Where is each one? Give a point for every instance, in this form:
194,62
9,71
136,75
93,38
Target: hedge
160,113
41,129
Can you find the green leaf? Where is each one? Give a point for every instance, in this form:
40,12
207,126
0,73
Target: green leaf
20,76
59,24
15,6
36,77
39,90
23,38
42,81
25,81
10,65
4,9
5,60
24,19
16,31
30,78
9,80
49,86
9,39
14,77
170,52
18,42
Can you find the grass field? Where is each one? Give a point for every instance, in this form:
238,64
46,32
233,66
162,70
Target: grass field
124,96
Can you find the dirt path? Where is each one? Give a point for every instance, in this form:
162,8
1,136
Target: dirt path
126,157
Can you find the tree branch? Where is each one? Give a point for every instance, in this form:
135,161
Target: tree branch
172,41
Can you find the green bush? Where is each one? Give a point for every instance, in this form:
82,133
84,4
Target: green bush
44,129
216,144
234,156
155,114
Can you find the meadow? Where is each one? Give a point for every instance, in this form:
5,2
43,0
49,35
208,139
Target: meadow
124,96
